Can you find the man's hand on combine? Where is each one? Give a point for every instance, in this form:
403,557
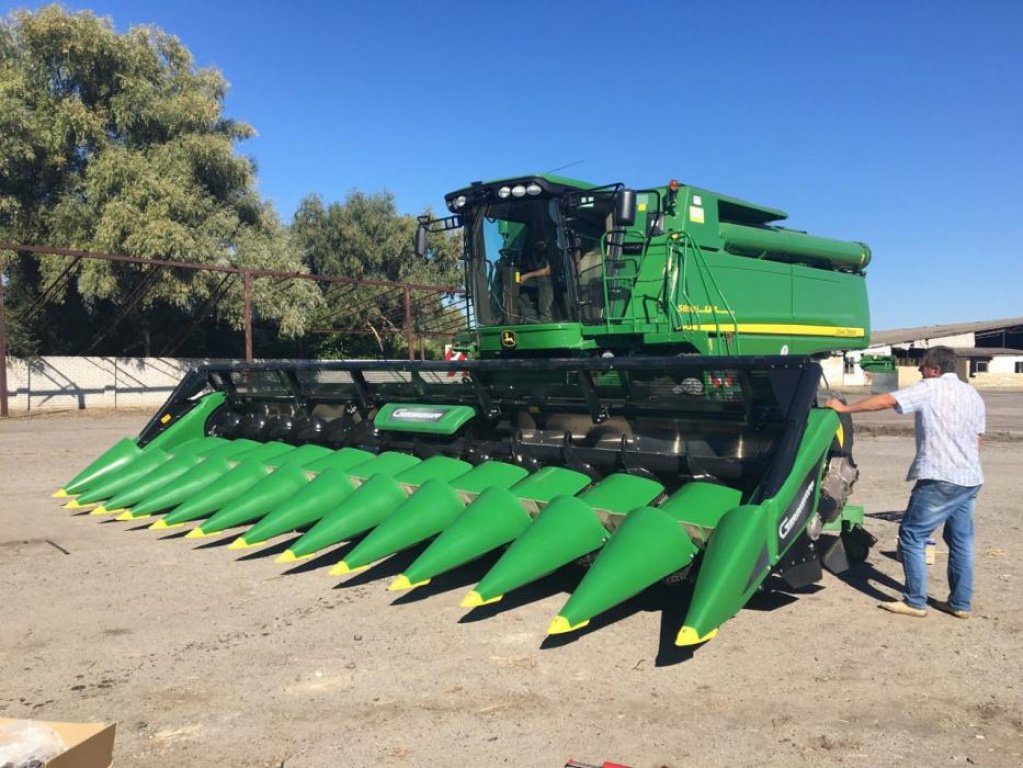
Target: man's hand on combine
873,403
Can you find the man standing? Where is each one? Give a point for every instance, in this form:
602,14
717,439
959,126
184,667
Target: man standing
536,300
949,424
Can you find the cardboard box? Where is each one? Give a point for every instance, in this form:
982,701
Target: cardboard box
89,745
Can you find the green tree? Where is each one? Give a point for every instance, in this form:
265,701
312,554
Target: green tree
364,237
117,142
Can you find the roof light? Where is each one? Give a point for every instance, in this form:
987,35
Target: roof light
673,185
518,191
458,202
533,189
504,192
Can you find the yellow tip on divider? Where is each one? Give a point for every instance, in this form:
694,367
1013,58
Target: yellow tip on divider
342,569
127,515
402,583
163,525
689,636
197,533
73,504
100,511
290,557
240,543
60,493
560,626
474,600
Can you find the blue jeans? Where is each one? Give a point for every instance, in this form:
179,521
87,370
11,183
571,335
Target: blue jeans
932,503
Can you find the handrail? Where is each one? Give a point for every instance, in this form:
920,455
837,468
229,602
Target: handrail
705,273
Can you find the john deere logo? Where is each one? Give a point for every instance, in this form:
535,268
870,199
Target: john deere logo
509,339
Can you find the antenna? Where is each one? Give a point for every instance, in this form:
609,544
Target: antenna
563,167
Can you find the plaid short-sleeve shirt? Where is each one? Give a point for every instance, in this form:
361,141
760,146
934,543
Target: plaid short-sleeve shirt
949,418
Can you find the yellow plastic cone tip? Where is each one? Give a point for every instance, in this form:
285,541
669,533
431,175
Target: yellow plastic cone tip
402,583
689,636
127,515
159,525
100,511
342,569
60,493
474,600
290,557
197,533
240,543
560,626
73,504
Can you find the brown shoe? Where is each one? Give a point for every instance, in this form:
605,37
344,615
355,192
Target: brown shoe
944,607
898,606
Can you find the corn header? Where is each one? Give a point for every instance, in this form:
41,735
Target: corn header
641,400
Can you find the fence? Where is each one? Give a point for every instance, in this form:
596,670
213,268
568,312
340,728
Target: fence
413,313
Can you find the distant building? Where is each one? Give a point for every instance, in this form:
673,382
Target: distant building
990,353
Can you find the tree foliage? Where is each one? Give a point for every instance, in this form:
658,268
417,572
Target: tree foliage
118,143
364,237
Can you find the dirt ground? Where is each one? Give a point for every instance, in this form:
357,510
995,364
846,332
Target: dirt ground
205,657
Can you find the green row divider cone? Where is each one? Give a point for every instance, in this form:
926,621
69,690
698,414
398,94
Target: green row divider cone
275,489
120,454
119,479
330,484
199,477
495,518
748,543
123,478
650,544
375,498
223,481
169,472
431,509
324,494
569,528
237,480
185,428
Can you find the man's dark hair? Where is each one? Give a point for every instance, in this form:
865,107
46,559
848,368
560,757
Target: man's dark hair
942,358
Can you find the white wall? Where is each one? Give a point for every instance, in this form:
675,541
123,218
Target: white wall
960,340
1004,364
92,382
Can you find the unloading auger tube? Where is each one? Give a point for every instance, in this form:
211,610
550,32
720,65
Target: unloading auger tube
718,470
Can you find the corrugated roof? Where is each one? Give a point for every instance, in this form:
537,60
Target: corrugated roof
986,351
902,335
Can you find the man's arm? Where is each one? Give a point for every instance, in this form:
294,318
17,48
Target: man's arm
544,271
873,403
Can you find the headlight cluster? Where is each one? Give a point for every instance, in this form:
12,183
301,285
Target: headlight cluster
519,190
532,189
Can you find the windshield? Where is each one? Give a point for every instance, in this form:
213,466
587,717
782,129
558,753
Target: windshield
536,260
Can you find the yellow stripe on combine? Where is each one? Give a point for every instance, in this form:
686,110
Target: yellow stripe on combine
779,329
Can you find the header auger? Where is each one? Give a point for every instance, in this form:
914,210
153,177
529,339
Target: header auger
601,422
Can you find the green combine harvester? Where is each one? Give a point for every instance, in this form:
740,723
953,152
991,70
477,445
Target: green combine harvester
641,399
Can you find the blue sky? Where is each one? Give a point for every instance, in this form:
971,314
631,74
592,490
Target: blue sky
896,123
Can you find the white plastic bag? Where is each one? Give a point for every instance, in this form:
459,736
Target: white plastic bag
28,744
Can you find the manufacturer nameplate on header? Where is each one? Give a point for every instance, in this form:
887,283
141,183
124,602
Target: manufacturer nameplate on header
417,414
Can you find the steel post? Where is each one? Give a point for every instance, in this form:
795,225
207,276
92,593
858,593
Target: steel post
408,324
248,315
3,352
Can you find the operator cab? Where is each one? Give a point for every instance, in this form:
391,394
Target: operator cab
536,248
